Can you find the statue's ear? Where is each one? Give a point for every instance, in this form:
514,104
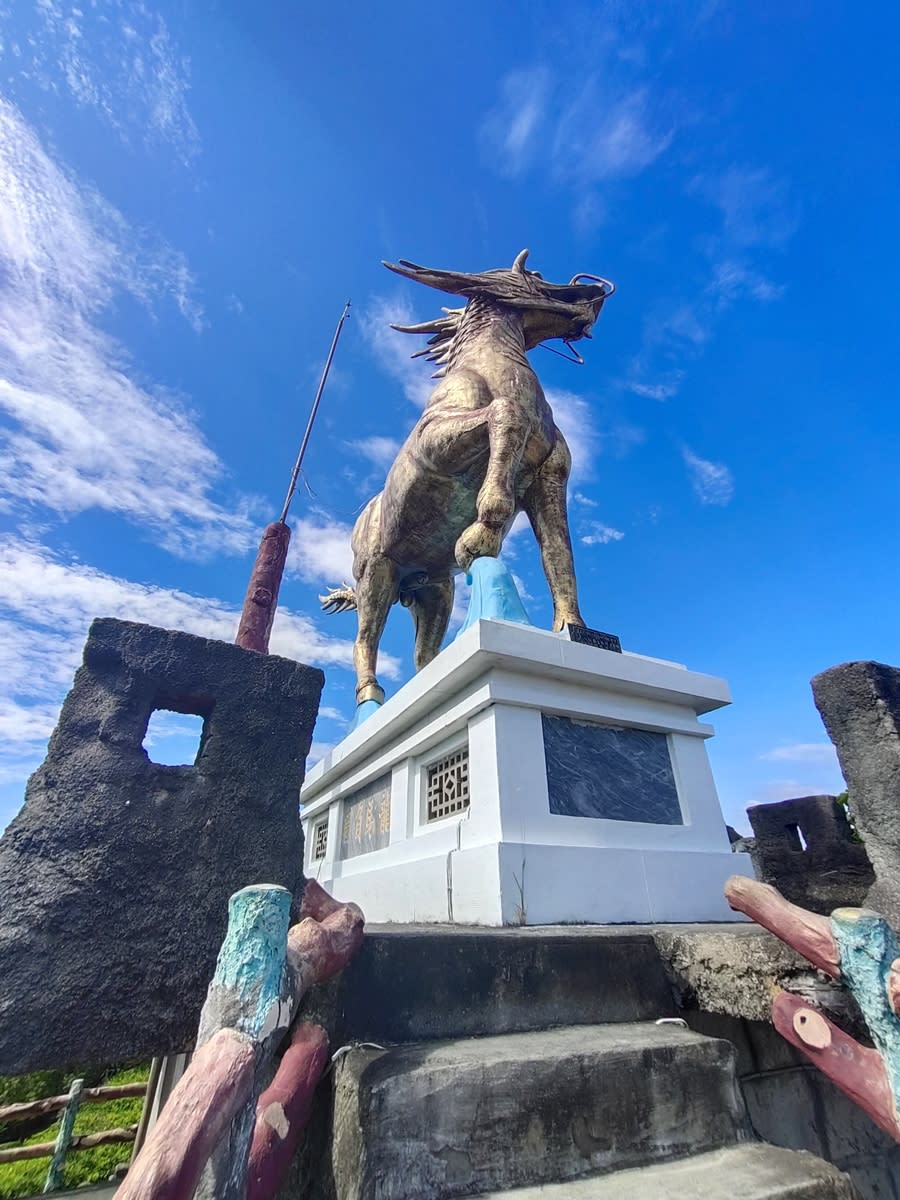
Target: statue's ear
457,283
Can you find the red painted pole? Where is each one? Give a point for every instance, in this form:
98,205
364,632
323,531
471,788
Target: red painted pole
261,600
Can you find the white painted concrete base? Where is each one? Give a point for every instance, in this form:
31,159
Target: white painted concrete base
507,858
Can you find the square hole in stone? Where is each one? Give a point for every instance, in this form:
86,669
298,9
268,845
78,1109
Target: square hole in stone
173,739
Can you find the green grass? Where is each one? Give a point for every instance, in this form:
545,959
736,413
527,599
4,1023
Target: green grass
82,1166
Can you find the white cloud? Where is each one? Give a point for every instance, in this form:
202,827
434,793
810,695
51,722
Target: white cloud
657,391
712,482
380,451
392,349
320,550
814,754
47,603
755,205
328,713
605,132
81,432
581,498
119,60
575,418
732,279
511,132
601,535
598,138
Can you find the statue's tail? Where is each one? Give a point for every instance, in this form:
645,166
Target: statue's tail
338,600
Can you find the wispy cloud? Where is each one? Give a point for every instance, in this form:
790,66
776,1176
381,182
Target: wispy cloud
575,418
47,603
756,206
392,350
732,279
712,482
380,451
601,535
661,390
118,60
510,132
814,754
80,431
603,133
598,138
757,219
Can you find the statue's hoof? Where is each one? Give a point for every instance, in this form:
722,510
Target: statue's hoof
478,541
370,691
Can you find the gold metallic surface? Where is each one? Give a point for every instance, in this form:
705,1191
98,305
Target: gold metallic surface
485,448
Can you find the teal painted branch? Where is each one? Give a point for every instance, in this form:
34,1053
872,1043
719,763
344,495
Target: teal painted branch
56,1170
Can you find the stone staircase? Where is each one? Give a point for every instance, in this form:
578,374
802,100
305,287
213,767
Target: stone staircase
573,1088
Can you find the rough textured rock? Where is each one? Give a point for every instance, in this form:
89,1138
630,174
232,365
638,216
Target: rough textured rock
859,703
829,872
731,970
115,875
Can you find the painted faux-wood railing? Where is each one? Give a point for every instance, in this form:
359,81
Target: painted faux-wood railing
66,1141
234,1120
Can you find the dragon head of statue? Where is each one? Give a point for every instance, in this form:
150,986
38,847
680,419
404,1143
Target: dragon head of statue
548,310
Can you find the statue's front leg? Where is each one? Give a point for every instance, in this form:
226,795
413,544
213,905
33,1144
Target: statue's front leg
545,504
508,431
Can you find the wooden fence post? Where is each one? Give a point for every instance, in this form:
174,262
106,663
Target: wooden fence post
54,1180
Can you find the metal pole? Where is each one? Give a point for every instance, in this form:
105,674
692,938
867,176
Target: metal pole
295,475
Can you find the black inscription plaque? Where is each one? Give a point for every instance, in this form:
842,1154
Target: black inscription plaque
593,637
616,774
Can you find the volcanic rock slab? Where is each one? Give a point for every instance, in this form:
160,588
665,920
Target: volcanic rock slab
116,873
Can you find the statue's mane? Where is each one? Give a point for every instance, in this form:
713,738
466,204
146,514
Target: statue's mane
443,330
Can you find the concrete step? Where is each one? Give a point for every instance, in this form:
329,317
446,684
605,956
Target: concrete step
457,1118
411,983
750,1172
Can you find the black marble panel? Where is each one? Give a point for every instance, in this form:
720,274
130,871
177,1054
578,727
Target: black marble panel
366,825
617,774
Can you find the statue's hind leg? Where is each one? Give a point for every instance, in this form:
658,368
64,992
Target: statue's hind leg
376,591
545,504
430,607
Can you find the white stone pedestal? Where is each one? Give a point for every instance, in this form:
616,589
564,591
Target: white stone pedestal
522,778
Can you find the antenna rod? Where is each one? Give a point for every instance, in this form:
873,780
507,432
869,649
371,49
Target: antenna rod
295,474
261,599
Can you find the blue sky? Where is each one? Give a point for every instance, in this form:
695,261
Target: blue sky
188,194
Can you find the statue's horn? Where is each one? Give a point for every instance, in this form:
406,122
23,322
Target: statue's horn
519,264
606,283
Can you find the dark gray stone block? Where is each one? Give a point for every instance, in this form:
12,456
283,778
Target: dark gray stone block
115,875
617,774
828,871
424,982
471,1116
859,703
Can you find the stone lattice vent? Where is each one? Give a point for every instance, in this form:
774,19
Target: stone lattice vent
320,841
447,786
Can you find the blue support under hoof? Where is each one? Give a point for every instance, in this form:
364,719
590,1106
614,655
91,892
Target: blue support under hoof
363,711
494,594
